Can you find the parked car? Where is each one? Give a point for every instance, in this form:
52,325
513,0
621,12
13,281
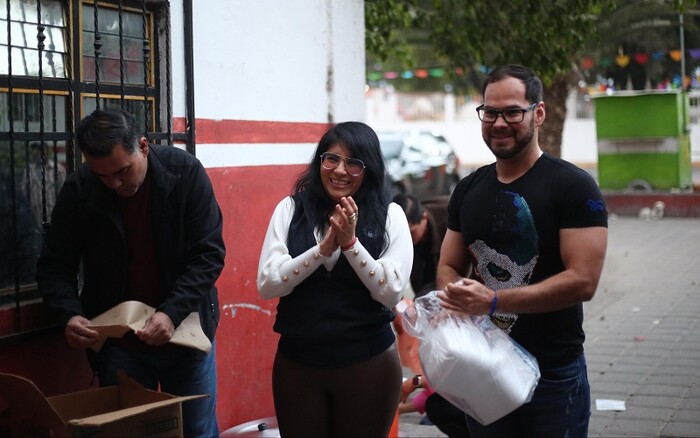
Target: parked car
420,163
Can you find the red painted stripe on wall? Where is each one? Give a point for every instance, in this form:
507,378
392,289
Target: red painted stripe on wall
246,343
251,131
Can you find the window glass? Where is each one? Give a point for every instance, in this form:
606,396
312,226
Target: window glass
137,107
29,207
26,112
37,120
23,34
18,251
110,69
27,195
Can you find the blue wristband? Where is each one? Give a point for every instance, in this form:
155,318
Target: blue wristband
494,302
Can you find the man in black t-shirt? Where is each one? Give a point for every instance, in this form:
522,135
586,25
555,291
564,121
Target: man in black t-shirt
531,229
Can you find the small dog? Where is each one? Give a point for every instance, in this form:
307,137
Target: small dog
656,212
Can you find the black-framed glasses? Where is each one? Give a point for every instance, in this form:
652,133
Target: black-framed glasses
510,115
331,161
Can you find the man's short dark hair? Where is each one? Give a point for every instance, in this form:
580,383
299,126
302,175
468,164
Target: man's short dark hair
101,131
411,207
533,84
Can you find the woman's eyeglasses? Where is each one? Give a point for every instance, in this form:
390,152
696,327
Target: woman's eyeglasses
331,161
510,115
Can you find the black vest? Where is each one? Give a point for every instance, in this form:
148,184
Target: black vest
330,319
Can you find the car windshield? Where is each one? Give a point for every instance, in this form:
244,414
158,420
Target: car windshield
430,144
391,146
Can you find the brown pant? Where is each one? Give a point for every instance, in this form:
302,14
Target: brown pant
358,400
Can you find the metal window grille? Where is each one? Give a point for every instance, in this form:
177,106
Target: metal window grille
60,60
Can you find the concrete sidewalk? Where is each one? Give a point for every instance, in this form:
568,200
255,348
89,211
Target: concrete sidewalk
643,333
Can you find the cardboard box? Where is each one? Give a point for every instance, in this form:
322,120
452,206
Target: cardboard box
125,410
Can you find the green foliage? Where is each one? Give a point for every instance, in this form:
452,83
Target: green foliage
544,35
387,23
680,5
644,27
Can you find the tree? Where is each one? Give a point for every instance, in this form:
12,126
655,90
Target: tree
544,35
548,36
644,31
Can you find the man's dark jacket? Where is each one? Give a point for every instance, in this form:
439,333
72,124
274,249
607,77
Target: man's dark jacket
87,227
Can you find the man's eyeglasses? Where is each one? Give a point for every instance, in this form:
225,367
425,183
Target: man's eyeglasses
510,115
353,166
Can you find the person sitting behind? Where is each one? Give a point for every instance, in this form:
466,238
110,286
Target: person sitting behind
439,411
418,401
427,221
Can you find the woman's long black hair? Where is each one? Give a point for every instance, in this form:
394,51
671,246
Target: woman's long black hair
374,195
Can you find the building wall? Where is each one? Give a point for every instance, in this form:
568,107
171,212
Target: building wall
270,76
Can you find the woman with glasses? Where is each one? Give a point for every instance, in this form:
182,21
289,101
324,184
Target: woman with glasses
338,255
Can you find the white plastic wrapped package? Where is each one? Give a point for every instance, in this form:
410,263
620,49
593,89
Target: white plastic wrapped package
471,362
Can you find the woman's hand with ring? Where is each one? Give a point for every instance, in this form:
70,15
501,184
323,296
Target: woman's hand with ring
344,220
346,210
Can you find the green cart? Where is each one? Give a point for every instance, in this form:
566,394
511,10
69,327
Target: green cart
643,141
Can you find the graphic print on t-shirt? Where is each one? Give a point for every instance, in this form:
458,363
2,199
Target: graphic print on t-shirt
510,258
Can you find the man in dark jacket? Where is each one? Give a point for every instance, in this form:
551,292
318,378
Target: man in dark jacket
143,222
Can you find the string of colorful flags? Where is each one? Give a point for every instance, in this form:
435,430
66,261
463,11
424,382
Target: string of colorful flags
586,63
420,73
640,58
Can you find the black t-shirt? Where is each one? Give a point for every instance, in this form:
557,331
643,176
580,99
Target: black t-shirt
511,235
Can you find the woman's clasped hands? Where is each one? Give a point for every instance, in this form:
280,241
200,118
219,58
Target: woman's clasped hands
341,232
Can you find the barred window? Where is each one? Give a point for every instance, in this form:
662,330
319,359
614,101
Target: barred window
60,60
24,20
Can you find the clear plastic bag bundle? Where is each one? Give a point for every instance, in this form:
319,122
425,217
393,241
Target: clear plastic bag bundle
471,362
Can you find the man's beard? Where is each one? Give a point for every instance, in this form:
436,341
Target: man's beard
519,146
